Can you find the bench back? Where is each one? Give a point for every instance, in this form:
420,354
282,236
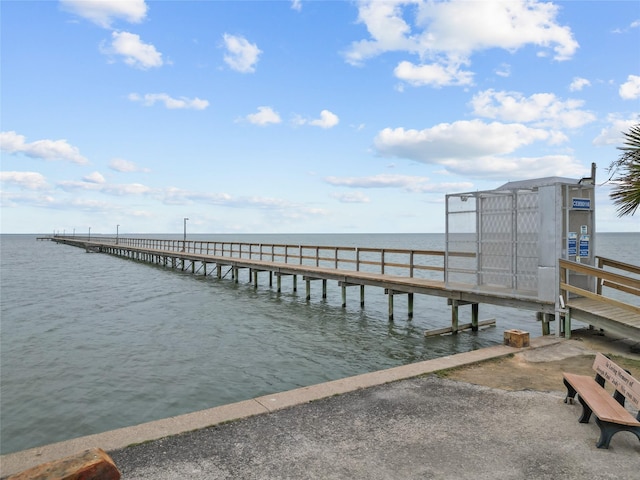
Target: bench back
622,381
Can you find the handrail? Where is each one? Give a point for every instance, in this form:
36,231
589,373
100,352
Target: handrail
603,278
603,262
381,260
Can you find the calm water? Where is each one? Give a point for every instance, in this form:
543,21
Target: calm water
92,342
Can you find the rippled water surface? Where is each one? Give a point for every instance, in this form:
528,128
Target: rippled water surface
91,342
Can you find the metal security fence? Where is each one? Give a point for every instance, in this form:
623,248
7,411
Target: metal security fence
501,228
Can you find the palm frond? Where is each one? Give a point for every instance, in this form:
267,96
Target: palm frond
626,192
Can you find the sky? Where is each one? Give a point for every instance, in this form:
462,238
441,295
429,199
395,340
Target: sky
303,116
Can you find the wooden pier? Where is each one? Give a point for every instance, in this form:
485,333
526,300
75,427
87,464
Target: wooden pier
397,271
594,308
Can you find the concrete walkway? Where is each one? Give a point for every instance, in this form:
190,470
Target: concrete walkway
364,427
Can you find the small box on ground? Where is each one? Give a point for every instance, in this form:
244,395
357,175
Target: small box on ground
516,338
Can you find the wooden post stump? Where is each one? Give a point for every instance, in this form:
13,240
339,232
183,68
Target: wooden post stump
93,464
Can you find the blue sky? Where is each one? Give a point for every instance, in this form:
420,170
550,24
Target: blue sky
303,116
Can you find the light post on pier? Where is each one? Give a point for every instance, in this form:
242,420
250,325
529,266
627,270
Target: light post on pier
89,233
184,245
117,232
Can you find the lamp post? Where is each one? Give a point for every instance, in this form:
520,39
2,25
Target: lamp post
117,233
89,233
184,246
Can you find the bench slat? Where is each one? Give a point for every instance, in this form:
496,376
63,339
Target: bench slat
604,406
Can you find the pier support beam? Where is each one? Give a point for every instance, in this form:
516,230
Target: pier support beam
308,286
455,304
410,305
391,294
344,286
475,310
545,319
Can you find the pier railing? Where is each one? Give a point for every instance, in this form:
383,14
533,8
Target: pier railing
402,262
625,282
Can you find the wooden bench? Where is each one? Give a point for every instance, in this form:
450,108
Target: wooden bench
610,412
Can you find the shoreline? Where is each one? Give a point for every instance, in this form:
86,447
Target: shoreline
146,432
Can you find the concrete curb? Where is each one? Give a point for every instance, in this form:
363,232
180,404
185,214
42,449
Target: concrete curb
123,437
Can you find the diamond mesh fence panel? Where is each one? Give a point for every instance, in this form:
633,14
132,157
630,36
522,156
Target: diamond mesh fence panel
501,229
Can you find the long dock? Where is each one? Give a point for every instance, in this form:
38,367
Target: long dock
397,271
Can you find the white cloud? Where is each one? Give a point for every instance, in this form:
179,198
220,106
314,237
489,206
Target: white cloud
634,24
95,177
406,182
613,133
11,142
459,139
578,84
433,74
504,70
630,90
28,180
541,109
477,149
516,168
351,197
461,27
135,52
327,120
264,116
126,189
125,166
110,189
296,5
241,55
104,12
449,33
171,103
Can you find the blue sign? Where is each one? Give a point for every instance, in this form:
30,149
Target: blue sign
581,203
584,246
572,247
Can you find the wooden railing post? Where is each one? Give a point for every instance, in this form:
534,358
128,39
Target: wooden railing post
411,264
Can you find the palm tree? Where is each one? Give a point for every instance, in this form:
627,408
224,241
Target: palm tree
626,192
